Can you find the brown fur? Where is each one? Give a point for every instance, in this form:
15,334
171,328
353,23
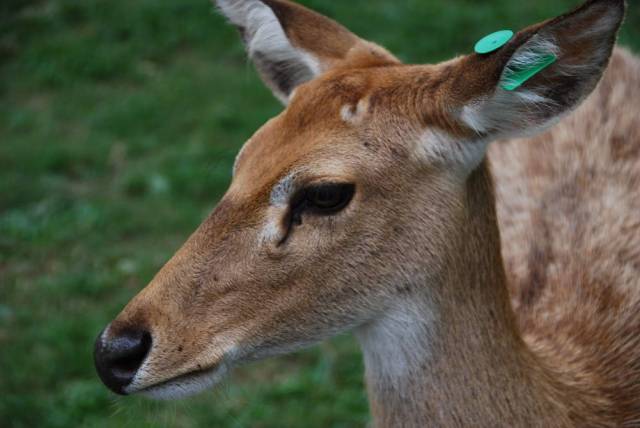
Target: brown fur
414,264
569,210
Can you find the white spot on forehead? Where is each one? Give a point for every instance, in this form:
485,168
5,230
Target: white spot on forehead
354,113
347,112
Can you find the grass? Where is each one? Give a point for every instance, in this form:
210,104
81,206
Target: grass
119,122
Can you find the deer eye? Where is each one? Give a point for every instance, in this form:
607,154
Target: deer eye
329,198
322,199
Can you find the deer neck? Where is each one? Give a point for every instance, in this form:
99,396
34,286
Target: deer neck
449,354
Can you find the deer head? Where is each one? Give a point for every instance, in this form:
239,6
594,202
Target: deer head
351,198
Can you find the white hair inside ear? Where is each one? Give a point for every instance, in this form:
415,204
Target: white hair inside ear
283,65
503,112
535,51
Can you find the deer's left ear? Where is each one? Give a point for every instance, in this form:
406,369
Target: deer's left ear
490,95
290,44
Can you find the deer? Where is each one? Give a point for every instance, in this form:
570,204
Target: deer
482,244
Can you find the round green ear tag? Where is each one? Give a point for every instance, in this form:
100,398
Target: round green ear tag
493,41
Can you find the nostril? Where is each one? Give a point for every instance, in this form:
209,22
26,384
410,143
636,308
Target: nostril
129,352
119,358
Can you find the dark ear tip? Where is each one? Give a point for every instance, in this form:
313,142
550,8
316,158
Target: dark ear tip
621,5
615,9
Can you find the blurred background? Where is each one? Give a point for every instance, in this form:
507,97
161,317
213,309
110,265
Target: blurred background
119,123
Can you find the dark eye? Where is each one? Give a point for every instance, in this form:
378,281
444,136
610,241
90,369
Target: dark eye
322,199
329,198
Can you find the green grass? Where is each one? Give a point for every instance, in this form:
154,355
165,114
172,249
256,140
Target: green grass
119,122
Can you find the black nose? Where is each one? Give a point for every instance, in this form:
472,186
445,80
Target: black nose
118,358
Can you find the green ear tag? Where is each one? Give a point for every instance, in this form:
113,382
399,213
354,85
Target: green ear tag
493,41
515,78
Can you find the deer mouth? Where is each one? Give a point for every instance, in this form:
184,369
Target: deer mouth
183,385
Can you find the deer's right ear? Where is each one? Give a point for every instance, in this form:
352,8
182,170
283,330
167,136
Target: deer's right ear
290,44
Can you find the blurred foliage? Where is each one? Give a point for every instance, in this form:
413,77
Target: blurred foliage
119,123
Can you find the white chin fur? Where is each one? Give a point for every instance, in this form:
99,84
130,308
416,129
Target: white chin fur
184,386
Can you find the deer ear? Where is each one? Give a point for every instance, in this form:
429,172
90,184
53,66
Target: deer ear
290,44
495,106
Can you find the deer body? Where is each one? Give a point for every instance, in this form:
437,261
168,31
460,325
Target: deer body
572,245
368,205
